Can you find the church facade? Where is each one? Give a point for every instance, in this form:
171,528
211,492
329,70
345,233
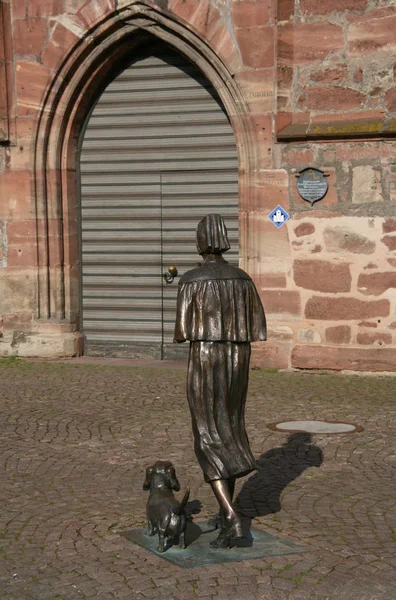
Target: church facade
123,123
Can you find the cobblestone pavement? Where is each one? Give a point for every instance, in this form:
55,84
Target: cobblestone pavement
75,441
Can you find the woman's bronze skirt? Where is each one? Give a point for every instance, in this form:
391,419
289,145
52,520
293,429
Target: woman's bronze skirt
217,383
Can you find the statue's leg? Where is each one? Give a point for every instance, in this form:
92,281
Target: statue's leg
232,528
217,521
231,486
182,540
161,541
150,529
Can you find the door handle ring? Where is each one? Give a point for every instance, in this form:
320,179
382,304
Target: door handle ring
170,274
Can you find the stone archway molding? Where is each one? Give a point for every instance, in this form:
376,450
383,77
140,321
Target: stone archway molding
72,92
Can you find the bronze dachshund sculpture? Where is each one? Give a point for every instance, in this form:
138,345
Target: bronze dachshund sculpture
165,515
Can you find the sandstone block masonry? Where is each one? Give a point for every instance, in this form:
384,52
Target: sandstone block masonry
304,83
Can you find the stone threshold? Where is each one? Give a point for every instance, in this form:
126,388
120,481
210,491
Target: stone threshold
113,362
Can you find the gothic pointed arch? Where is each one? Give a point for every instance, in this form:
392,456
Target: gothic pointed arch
78,82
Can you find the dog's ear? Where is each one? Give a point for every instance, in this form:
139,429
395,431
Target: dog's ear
173,480
147,481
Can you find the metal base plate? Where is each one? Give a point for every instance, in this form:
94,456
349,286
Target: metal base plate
198,553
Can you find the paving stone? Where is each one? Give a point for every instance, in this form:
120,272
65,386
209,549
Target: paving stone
74,445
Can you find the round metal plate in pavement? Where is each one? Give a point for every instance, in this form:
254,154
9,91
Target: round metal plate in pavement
318,427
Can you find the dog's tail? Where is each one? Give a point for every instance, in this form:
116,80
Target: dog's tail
183,503
185,498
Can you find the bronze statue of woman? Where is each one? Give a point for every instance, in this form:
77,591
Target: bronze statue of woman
219,311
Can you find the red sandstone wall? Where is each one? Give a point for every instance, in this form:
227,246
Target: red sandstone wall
313,74
336,101
336,59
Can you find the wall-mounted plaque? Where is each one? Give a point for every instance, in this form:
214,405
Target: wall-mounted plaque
311,184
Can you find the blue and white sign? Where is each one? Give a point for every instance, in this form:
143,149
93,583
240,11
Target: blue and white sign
278,216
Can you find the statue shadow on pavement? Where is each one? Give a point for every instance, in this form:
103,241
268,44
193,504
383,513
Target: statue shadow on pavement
260,494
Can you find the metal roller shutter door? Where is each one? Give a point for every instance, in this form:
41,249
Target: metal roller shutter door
158,154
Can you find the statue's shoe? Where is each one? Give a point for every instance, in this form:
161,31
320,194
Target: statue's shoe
233,530
221,542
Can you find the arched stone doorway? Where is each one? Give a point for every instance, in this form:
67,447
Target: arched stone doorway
157,154
79,81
